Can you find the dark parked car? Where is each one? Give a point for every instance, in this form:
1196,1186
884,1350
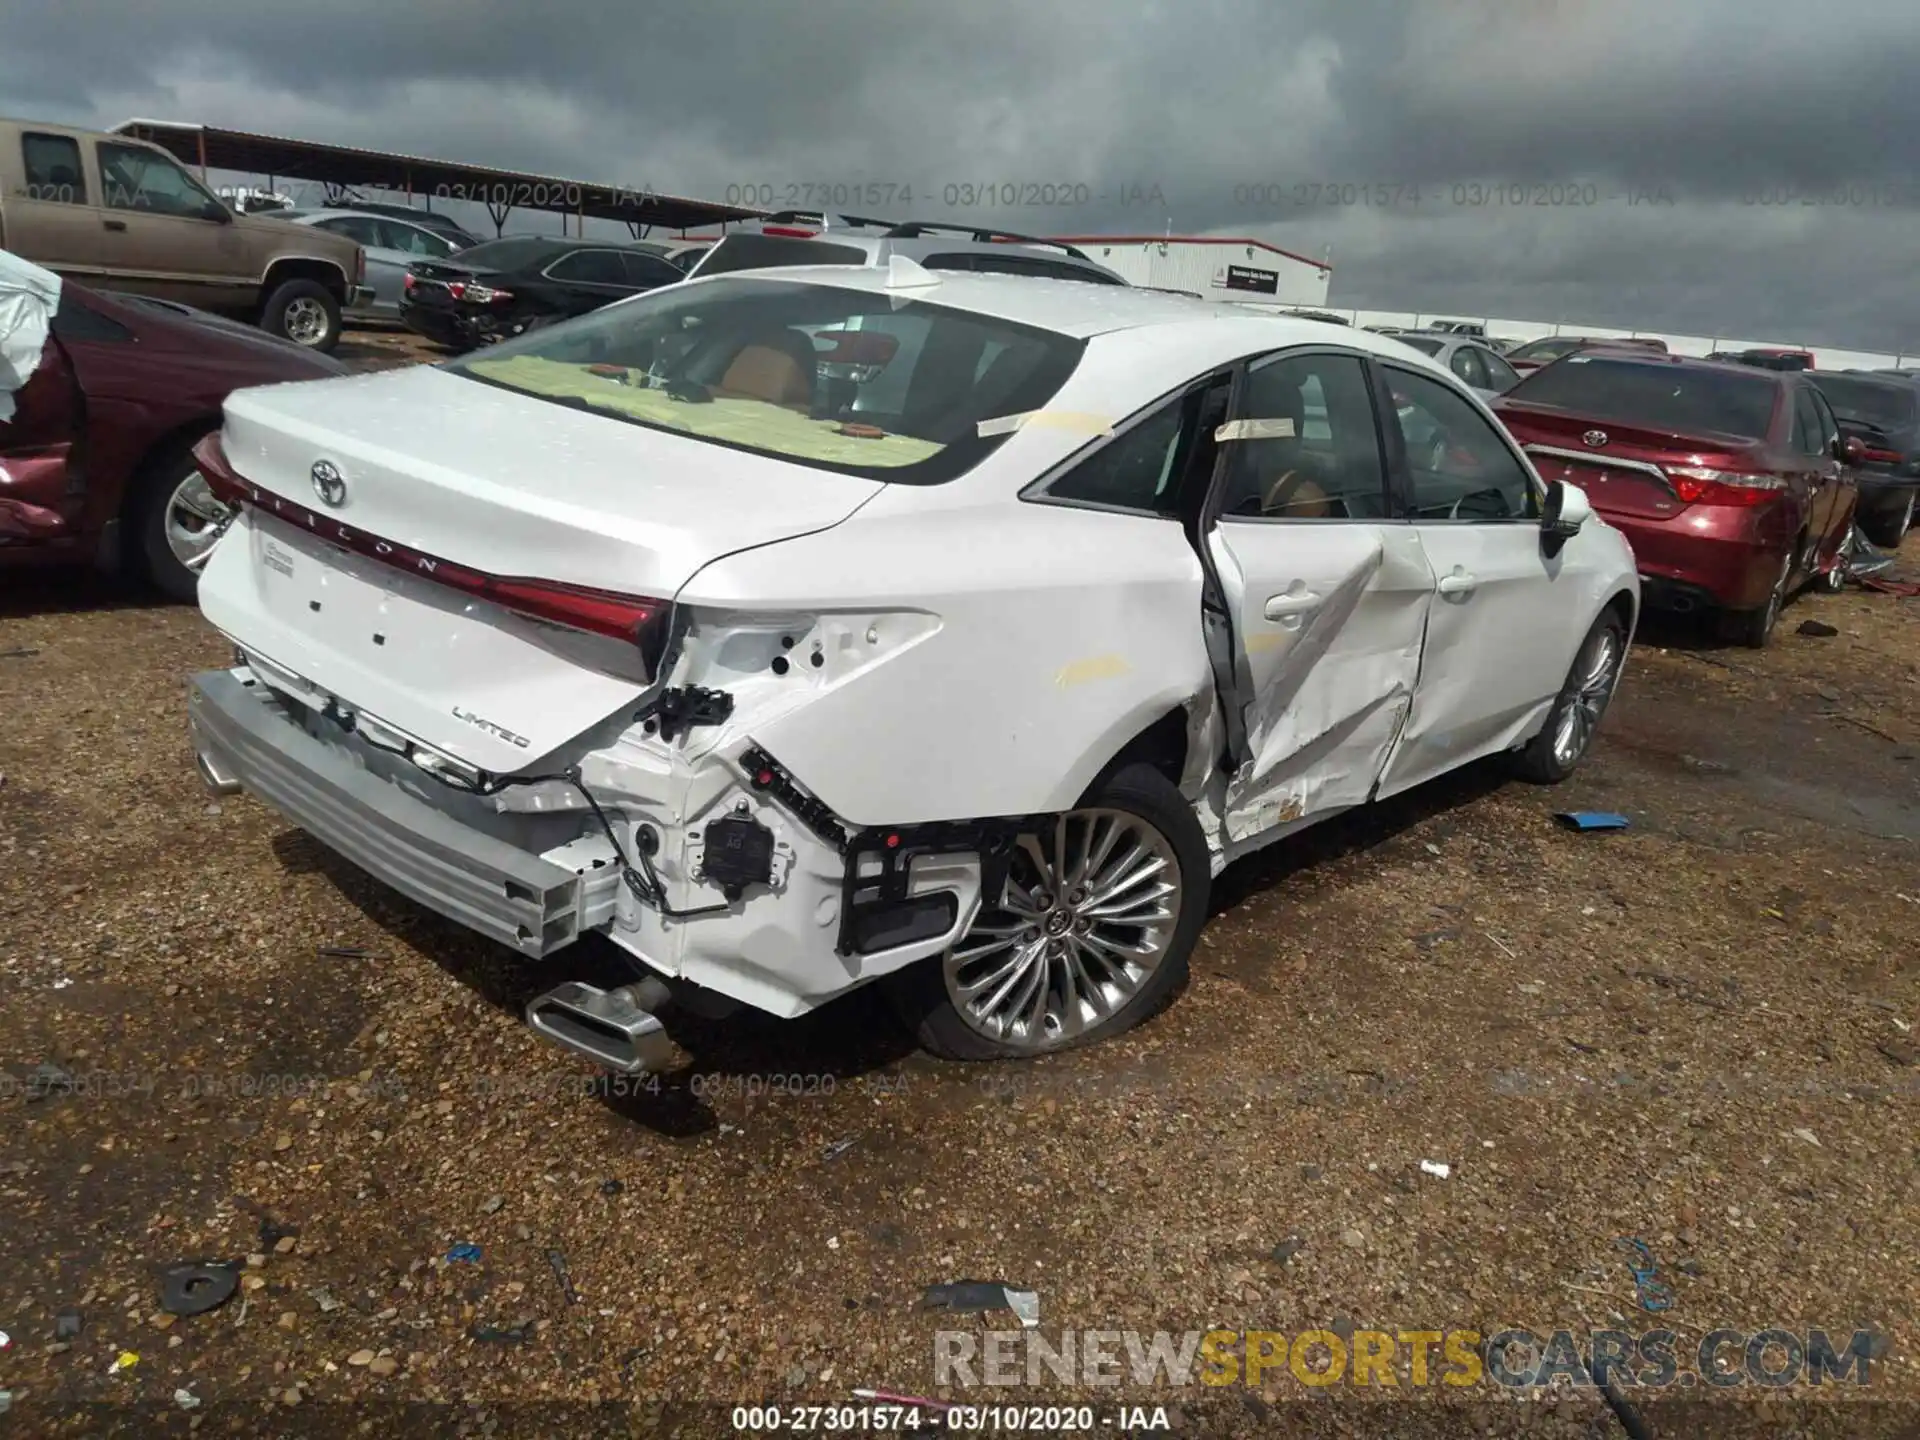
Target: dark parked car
1883,412
98,451
500,288
1776,359
1535,353
1733,485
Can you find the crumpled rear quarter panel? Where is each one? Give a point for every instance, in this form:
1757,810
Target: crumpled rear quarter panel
1063,632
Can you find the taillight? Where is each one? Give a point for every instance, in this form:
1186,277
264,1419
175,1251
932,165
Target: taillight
221,478
792,232
406,281
637,619
1697,485
1881,457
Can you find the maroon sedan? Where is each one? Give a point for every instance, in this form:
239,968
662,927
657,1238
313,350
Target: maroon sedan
96,462
1732,484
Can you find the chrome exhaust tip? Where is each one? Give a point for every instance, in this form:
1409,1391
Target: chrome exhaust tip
615,1029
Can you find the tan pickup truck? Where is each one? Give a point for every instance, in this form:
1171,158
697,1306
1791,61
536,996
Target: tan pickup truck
121,214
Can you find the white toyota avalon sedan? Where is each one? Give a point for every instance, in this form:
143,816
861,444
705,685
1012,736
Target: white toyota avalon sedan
808,628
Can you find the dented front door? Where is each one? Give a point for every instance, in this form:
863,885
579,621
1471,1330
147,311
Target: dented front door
1327,591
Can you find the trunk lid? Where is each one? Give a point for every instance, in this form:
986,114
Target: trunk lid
435,470
1614,473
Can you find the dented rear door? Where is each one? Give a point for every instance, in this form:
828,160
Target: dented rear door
1326,590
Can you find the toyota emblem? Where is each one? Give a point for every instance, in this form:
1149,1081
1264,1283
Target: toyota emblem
1595,438
331,487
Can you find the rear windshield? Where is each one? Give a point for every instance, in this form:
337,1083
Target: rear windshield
1426,344
1678,398
767,252
1890,406
853,381
505,254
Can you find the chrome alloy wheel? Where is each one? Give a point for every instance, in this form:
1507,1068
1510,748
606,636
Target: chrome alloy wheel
195,521
1086,919
1599,670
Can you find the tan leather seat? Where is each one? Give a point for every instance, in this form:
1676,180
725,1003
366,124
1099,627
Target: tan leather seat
777,368
1295,495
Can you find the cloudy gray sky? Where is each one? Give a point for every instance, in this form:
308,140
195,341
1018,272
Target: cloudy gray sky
1311,123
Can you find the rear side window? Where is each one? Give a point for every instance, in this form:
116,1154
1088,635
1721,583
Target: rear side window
844,380
53,169
1137,470
1806,422
412,240
1307,446
505,254
1678,398
766,252
589,267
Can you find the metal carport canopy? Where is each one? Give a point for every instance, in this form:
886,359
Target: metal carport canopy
345,167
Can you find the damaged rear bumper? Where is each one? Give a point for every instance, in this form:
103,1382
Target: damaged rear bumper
243,739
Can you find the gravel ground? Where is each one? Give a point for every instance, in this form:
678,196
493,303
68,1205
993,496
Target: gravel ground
1695,1032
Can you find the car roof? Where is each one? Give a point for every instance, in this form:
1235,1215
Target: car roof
876,238
1080,310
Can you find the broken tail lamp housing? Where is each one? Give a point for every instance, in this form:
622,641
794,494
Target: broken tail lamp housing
638,620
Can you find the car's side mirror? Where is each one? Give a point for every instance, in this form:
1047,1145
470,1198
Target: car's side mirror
1850,449
1566,510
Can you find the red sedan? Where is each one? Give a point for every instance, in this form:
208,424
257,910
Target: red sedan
96,462
1732,484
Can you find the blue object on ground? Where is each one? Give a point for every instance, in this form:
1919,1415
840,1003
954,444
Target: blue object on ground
1592,820
468,1252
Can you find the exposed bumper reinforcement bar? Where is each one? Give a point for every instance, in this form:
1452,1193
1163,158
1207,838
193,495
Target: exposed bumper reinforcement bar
612,1028
243,740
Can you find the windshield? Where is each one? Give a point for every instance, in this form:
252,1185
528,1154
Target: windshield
1675,398
1888,406
1426,344
855,381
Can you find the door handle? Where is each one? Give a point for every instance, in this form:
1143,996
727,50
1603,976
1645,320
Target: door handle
1292,603
1458,583
114,224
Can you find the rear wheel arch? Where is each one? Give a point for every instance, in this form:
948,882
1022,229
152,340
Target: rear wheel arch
1160,745
325,272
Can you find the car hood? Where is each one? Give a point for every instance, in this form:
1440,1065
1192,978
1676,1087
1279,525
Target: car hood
213,340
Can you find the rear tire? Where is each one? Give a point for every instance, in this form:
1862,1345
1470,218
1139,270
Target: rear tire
178,521
305,312
1563,742
1101,974
1887,528
1754,628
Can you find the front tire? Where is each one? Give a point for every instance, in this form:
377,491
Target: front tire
179,522
1563,742
305,312
1091,937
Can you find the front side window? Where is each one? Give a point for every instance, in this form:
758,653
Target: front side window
1466,364
1303,444
361,229
412,240
136,178
53,168
1459,466
589,267
841,379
